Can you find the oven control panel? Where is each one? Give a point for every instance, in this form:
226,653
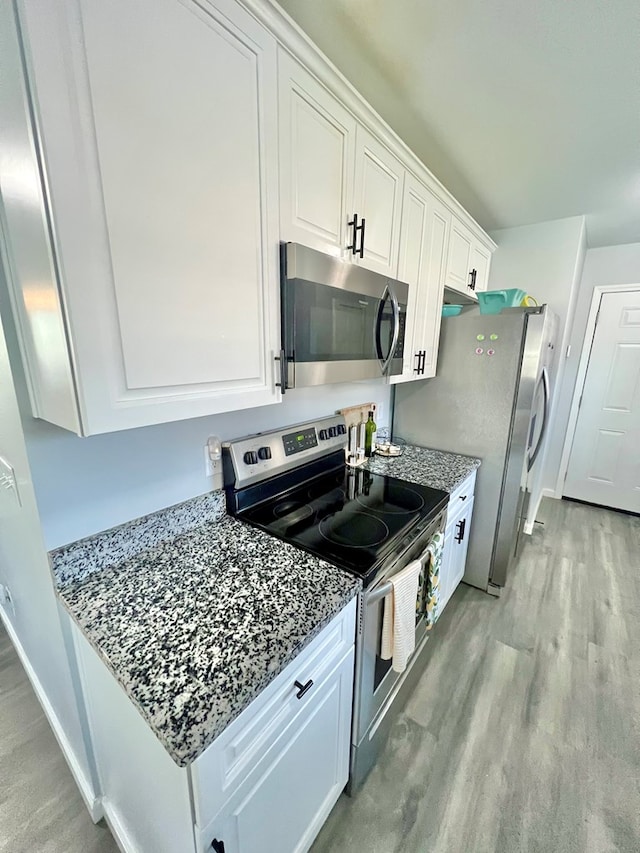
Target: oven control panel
295,442
257,457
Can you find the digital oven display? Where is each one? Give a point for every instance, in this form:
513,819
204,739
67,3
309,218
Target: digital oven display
294,442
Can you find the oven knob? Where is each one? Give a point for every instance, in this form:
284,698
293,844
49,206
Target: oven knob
324,434
342,430
333,431
264,453
250,457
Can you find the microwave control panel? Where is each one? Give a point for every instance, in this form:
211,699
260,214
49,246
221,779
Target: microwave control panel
295,442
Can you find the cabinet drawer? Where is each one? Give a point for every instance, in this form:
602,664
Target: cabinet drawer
461,496
246,743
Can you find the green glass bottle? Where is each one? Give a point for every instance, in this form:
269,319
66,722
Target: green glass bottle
370,436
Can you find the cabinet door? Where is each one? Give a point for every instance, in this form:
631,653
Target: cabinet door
317,156
429,314
283,811
456,545
378,200
459,257
159,128
480,262
423,246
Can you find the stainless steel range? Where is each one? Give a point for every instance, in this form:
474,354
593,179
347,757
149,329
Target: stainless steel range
294,484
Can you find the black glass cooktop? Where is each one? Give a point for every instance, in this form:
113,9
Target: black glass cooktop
349,517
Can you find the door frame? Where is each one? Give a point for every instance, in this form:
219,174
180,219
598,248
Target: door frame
599,291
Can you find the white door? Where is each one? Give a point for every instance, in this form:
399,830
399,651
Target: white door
378,200
317,156
423,246
604,467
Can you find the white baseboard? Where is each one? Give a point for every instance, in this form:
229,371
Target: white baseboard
92,802
531,518
122,838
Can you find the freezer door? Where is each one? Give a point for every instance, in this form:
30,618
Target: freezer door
512,503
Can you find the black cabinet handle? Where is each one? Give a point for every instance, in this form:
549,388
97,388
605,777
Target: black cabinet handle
218,846
463,497
472,279
421,355
353,246
353,222
302,689
461,526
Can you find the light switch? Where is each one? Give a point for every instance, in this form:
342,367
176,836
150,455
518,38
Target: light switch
9,496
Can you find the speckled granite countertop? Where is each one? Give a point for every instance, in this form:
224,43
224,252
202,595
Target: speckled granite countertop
434,468
195,627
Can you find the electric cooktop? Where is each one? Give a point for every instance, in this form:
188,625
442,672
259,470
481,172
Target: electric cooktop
350,517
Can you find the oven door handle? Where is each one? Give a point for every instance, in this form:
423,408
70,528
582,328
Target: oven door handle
386,588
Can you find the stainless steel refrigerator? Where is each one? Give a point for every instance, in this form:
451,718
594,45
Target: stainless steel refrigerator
490,399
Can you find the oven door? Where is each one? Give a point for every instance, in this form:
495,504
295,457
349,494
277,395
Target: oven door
376,678
340,322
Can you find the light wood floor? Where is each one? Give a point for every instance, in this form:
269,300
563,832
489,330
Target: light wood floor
524,734
41,810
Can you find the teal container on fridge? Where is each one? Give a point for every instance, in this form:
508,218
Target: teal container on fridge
493,301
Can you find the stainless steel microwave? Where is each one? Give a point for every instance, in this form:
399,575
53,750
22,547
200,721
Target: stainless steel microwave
340,322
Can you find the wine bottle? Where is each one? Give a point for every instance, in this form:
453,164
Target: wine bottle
370,436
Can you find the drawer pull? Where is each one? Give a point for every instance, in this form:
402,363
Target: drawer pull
463,497
218,846
303,688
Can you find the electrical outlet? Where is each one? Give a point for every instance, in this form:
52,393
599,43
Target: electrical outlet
213,460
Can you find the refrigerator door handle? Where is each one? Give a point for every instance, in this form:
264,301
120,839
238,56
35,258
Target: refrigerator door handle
545,418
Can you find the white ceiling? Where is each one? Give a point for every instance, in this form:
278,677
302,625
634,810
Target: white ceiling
527,110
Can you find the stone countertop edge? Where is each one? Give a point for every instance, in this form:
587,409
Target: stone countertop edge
195,628
425,466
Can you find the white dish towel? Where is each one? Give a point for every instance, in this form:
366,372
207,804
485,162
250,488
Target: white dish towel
399,621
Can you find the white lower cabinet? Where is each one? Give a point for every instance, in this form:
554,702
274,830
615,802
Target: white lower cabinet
268,781
456,539
281,807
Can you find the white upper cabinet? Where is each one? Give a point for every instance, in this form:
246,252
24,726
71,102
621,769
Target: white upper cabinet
158,135
468,261
423,254
154,154
378,201
333,175
317,155
480,263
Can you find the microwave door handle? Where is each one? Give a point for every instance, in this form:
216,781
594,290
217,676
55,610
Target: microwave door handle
395,305
545,418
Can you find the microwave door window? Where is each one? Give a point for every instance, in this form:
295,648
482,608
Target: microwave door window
333,324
